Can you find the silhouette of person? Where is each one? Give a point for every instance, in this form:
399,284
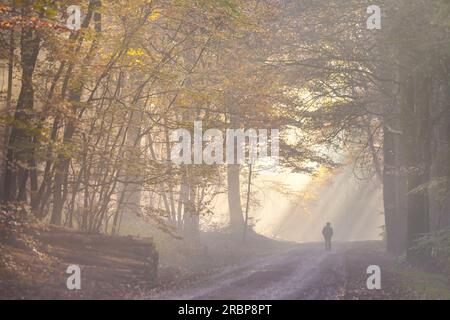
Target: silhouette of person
327,233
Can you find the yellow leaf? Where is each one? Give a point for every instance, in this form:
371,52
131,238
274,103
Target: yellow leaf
135,52
154,16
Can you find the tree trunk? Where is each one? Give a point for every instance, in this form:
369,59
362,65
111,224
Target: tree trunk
390,197
234,196
20,147
418,159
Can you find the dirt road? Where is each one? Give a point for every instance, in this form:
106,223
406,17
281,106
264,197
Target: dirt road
303,272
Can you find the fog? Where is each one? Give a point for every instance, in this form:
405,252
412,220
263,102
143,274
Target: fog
352,206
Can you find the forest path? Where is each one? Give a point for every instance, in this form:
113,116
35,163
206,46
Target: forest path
306,271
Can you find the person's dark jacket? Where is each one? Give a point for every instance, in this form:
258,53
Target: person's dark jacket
327,232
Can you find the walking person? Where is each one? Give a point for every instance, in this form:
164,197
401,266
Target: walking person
327,233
